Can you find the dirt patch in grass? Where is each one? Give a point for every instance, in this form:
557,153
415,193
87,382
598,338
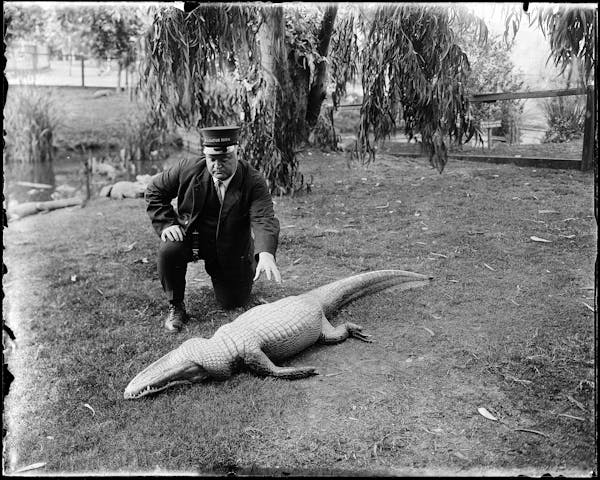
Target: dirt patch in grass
506,325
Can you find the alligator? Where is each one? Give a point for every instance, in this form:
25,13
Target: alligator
270,332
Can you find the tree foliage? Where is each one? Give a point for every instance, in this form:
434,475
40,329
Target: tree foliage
492,70
24,23
267,67
412,68
100,30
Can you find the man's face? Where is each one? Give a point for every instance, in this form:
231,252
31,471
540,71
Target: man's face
221,166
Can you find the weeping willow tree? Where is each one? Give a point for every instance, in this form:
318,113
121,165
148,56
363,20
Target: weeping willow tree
412,69
269,68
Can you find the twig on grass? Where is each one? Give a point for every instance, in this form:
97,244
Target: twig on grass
530,431
571,416
589,306
578,404
428,330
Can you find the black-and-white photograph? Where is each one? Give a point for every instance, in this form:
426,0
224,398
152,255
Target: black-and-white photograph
300,239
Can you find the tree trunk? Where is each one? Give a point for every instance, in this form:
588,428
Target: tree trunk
120,69
318,90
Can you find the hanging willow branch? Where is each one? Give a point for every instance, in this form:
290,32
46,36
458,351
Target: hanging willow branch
415,70
228,63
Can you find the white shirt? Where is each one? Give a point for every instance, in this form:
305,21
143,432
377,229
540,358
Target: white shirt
224,183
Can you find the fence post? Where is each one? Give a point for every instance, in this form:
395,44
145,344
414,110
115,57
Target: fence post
589,131
82,71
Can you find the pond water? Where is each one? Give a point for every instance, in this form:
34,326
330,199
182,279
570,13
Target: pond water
64,177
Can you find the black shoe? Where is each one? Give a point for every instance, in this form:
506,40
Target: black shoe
176,317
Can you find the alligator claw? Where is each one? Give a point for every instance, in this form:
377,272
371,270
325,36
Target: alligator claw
362,336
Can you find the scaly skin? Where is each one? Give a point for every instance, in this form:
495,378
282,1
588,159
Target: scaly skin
274,331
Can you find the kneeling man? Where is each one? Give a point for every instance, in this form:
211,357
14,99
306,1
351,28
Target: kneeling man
224,216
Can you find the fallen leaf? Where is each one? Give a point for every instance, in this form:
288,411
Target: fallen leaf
482,411
530,431
144,260
128,248
538,239
428,330
571,416
90,407
33,466
459,455
589,306
73,278
487,266
437,317
579,404
289,226
384,206
547,211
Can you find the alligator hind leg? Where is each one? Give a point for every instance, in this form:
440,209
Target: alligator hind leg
331,334
258,362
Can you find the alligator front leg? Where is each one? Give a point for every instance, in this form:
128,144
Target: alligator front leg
258,362
331,334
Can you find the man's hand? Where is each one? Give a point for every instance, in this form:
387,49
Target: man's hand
173,233
266,263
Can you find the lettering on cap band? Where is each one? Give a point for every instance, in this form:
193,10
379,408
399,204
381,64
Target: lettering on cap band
220,137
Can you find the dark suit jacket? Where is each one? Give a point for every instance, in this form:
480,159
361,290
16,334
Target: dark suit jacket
248,207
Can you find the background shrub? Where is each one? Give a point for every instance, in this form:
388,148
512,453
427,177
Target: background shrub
565,116
31,118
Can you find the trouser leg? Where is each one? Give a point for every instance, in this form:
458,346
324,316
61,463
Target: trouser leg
232,287
173,258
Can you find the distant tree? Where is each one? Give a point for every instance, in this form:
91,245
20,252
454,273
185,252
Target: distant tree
113,33
26,23
492,70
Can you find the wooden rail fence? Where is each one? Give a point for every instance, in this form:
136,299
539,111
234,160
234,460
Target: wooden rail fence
589,131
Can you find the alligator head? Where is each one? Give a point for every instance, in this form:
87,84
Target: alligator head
182,365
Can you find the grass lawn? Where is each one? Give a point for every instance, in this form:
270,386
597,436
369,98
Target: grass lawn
506,325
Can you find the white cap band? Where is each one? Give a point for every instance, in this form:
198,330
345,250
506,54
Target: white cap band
219,150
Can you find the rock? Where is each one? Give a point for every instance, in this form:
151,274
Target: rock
105,192
126,190
347,145
102,93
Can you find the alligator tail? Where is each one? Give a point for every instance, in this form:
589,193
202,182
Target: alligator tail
337,294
